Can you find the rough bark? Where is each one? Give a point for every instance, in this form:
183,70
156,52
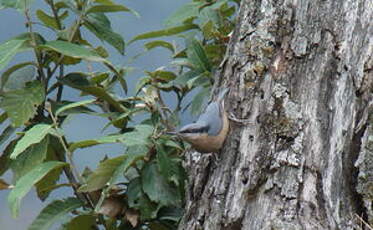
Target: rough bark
301,72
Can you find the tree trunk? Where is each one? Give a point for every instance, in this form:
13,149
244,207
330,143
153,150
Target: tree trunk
301,72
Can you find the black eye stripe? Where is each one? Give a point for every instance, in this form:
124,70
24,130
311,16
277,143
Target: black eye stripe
195,130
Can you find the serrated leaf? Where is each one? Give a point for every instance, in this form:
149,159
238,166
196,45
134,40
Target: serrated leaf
197,56
44,187
97,141
31,157
81,222
159,43
110,170
19,78
21,104
163,75
140,136
32,136
133,153
167,166
102,174
74,105
165,32
110,8
98,24
47,19
18,75
25,183
79,81
186,77
138,200
8,50
134,191
124,116
184,13
157,187
73,50
54,212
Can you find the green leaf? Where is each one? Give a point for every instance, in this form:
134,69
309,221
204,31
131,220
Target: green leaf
73,105
168,168
54,212
97,141
110,8
102,174
184,13
100,26
43,187
134,191
81,222
73,109
159,43
163,75
31,157
8,50
73,50
165,32
197,56
156,186
79,81
25,183
186,77
20,5
21,104
140,136
17,76
138,200
32,136
133,153
110,170
47,19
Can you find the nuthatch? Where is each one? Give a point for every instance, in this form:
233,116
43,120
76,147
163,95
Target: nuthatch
208,133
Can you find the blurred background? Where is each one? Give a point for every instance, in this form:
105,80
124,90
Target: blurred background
152,15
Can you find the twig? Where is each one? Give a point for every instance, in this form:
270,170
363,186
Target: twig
34,46
67,170
64,145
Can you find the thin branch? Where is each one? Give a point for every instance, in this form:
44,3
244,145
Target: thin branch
60,87
70,171
64,145
34,44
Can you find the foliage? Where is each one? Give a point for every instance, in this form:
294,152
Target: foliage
144,187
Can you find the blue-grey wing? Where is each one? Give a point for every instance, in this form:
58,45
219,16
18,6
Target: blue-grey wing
212,118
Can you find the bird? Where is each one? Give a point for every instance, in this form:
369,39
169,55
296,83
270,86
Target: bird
209,132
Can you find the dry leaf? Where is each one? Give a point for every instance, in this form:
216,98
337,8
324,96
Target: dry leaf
4,185
132,216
